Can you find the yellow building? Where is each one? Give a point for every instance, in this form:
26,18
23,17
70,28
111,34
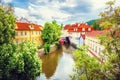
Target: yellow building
28,32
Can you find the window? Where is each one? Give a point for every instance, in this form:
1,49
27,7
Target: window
99,51
89,29
83,29
96,49
32,33
25,33
36,32
21,33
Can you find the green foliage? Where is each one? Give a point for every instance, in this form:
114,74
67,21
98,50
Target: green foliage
46,48
86,67
110,16
32,64
10,61
111,40
39,47
96,25
51,32
19,63
7,25
91,22
57,44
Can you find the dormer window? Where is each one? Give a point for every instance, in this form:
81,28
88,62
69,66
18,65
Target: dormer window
31,27
83,29
89,29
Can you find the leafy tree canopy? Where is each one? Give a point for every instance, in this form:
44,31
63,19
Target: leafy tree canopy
7,25
87,67
51,32
19,63
110,19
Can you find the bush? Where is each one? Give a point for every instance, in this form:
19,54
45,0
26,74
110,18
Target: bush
46,48
57,44
19,63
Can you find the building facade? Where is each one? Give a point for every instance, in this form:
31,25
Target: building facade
77,32
28,32
92,41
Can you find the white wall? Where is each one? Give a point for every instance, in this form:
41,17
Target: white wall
94,46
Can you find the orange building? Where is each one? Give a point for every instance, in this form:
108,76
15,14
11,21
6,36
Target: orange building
28,32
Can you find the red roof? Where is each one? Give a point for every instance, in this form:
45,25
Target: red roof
67,26
27,26
95,33
82,25
77,27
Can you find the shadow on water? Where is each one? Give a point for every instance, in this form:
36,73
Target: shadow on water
57,65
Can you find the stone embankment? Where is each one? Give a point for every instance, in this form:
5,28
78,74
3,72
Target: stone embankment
41,52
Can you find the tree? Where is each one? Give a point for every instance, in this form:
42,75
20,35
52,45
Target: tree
32,64
7,25
17,62
111,21
87,67
51,32
96,25
107,15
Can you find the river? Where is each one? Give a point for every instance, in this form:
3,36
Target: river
57,65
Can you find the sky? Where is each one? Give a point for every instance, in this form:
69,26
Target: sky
63,11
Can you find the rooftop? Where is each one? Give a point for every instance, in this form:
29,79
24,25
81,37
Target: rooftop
27,26
95,33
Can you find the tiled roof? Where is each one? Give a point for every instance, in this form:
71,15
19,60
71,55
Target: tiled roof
95,33
77,27
27,26
82,25
68,26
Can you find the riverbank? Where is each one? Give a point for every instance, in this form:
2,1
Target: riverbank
41,52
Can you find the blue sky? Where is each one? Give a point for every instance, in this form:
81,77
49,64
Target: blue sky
63,11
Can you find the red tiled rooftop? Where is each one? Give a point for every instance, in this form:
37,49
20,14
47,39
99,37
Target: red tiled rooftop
67,26
26,26
77,27
95,33
22,26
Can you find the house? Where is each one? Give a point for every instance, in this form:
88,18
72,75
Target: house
28,32
91,40
77,32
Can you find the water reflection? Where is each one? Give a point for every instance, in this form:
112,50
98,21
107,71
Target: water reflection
57,66
64,68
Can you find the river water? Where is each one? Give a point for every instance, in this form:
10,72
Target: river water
57,65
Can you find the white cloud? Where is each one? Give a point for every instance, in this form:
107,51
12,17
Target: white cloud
48,13
7,1
51,10
101,3
19,12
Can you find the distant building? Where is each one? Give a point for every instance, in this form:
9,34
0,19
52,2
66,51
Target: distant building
77,32
93,42
28,32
